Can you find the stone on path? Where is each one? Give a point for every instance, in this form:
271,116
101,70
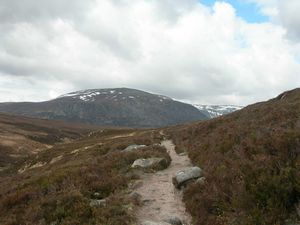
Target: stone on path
181,177
174,221
150,162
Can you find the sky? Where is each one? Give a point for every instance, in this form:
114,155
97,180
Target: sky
201,51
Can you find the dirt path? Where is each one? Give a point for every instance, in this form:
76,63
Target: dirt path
123,135
161,200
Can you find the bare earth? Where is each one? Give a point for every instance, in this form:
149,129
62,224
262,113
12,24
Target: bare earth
161,200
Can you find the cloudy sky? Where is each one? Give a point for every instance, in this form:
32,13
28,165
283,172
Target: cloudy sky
204,51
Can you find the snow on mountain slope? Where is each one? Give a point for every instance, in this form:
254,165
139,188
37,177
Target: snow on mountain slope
116,95
213,111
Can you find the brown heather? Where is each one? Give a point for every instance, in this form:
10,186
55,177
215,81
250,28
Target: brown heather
251,162
59,192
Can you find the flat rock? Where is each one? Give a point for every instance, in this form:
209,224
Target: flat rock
150,162
133,148
185,175
97,202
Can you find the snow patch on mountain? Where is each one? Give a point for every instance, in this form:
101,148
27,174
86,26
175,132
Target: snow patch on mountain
214,111
114,95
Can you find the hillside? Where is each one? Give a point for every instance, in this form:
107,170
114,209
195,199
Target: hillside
86,181
251,164
110,107
21,137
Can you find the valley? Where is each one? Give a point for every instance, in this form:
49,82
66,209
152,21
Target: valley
244,166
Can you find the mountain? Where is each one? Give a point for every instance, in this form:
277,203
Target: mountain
251,163
110,107
213,111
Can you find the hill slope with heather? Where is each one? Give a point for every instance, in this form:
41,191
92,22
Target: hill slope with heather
110,107
22,137
86,181
251,162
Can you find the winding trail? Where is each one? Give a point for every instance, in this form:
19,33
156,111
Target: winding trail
162,200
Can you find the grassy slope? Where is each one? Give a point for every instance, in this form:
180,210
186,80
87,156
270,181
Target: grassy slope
251,162
59,192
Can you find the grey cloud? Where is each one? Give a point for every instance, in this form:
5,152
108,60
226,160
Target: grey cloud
173,47
289,13
12,11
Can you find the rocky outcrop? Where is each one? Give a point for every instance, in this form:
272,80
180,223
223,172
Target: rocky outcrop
181,177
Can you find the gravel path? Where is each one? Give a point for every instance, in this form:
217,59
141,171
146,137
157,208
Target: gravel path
161,200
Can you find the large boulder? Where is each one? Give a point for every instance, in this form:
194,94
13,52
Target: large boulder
181,177
150,163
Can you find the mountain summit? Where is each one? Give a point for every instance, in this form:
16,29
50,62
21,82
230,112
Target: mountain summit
110,107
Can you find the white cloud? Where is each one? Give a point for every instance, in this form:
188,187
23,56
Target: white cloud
178,48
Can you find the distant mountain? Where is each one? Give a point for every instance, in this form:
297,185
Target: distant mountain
110,107
213,111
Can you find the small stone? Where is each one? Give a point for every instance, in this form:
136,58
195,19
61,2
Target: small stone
96,194
201,180
150,223
136,197
174,221
97,202
54,223
147,201
137,184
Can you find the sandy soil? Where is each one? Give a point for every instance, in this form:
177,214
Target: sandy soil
161,200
